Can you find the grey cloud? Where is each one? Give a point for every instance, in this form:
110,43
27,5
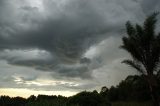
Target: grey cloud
8,72
149,6
66,37
84,86
44,61
70,34
31,79
85,60
76,70
30,58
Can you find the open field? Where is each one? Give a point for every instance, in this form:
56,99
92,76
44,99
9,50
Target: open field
132,104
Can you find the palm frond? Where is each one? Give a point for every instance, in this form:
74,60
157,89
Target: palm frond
158,74
132,46
139,31
143,45
130,29
135,65
149,26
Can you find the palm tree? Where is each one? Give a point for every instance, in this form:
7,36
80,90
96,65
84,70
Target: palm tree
143,44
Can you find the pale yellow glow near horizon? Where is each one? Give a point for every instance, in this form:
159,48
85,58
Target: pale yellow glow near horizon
13,92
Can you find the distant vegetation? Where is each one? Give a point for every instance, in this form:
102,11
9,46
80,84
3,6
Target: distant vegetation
133,91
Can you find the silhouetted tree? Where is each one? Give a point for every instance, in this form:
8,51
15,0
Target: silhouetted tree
88,99
32,98
113,94
143,44
133,88
104,89
104,93
18,101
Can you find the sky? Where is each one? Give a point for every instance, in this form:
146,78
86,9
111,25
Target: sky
61,47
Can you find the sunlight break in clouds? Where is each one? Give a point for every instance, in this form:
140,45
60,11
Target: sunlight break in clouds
13,92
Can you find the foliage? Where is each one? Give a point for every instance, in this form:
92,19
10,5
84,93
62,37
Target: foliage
16,101
143,44
81,99
88,98
133,88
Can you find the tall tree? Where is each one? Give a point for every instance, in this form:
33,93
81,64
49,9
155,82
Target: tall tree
143,44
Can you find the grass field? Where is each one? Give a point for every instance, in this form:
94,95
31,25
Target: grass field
132,104
113,104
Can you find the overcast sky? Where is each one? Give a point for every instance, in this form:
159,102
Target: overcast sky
65,46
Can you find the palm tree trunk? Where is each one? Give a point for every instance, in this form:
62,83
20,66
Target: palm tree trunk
153,85
154,96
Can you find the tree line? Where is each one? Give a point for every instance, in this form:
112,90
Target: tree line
133,88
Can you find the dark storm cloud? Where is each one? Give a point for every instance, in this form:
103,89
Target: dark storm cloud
64,30
66,36
149,6
76,70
